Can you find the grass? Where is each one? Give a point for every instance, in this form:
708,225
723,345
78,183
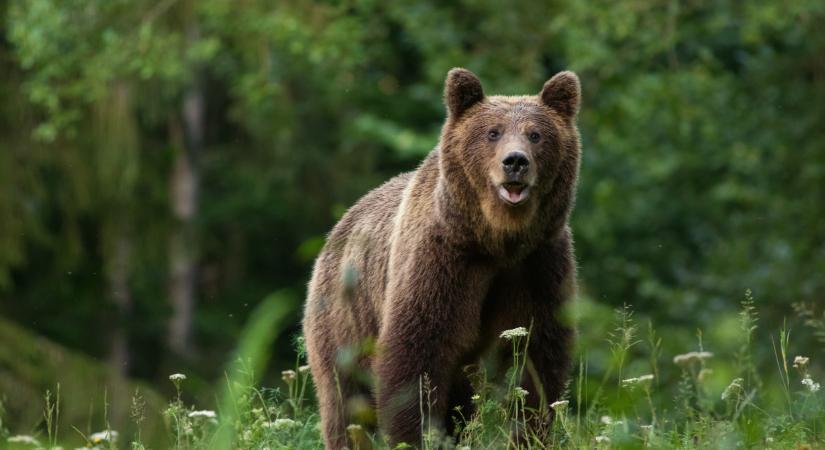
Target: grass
626,392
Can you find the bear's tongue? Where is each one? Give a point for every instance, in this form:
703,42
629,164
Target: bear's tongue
512,192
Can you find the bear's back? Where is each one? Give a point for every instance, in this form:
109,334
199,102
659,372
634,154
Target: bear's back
350,273
371,217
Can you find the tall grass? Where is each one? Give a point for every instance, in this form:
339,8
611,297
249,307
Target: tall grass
626,393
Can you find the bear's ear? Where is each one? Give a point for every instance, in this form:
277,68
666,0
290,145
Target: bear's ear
562,93
462,89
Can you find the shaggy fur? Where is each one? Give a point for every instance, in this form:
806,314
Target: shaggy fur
433,265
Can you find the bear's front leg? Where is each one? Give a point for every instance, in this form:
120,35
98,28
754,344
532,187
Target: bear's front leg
549,353
533,294
431,319
549,285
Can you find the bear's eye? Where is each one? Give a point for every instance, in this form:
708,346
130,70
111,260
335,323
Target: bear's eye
534,137
493,135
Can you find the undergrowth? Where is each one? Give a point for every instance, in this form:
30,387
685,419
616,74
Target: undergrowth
695,399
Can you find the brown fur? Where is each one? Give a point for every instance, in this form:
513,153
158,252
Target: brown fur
433,265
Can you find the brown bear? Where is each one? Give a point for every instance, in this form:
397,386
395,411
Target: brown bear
433,265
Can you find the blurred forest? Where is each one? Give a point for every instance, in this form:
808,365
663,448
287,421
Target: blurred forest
167,164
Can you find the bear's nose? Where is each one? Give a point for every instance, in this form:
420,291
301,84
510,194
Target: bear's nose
515,163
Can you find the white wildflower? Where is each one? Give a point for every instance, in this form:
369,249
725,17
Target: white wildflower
632,382
284,424
810,384
520,392
602,439
175,377
303,369
514,333
734,387
687,358
23,439
607,420
104,436
475,397
800,361
560,405
204,413
288,375
354,427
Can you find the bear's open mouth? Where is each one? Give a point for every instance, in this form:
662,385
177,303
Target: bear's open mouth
513,193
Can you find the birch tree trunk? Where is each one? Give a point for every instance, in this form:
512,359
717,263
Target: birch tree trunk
184,190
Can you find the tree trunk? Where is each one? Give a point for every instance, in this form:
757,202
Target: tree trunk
122,299
184,189
119,269
117,163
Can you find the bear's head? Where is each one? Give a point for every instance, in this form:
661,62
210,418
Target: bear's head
519,155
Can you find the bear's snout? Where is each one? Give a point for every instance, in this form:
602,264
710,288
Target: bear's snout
515,187
515,165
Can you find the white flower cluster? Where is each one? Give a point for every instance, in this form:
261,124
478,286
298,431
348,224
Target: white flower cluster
632,382
560,405
285,424
810,384
607,420
104,436
514,333
23,439
520,392
800,363
177,377
288,375
206,414
690,357
735,387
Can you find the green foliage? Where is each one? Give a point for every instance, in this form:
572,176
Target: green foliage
702,176
636,412
78,392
